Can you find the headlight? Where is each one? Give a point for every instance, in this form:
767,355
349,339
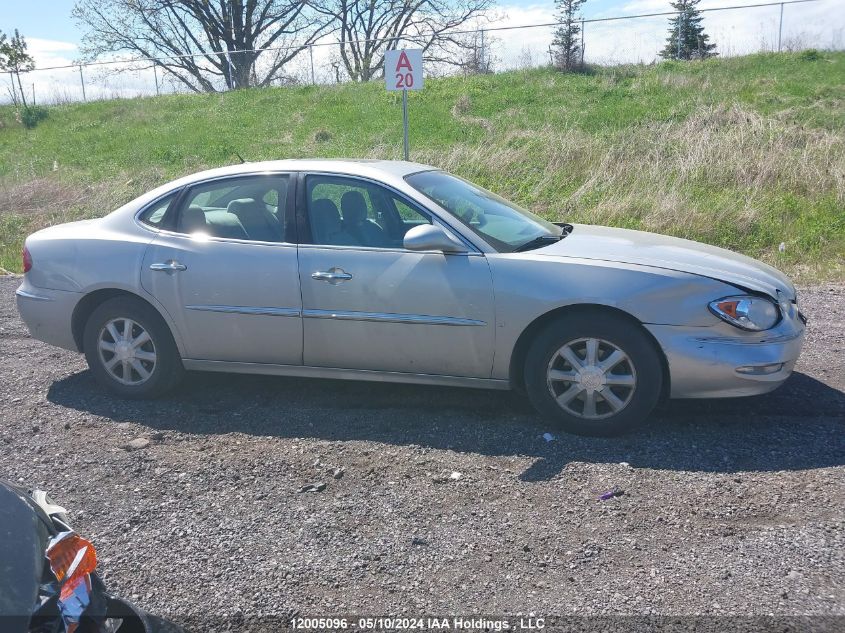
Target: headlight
747,312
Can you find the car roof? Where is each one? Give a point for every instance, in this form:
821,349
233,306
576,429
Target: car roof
387,171
354,167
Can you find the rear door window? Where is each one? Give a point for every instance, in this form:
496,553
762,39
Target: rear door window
244,208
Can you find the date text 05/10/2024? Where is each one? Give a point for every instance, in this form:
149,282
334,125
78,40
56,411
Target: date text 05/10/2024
417,624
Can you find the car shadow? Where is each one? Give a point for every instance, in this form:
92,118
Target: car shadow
800,426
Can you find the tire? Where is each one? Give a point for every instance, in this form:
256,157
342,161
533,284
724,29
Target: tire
153,364
623,355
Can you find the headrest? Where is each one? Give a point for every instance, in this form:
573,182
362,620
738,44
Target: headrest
243,206
325,219
354,207
193,220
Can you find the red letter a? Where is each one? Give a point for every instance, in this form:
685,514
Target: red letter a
404,62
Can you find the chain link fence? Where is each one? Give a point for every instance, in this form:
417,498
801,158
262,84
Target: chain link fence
502,45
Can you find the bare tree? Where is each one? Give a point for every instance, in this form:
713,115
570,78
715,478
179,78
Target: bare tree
368,28
477,58
15,60
203,41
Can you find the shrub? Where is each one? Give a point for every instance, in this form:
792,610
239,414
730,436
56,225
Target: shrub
33,115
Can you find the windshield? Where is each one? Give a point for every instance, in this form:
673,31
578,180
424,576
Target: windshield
502,224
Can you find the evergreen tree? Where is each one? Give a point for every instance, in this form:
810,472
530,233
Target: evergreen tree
567,42
695,43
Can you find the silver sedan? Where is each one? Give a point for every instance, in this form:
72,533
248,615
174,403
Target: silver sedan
394,271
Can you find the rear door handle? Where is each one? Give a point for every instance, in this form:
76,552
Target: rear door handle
170,266
332,275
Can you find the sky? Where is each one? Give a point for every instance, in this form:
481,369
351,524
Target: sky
54,37
44,19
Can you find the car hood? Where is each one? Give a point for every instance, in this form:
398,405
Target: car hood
660,251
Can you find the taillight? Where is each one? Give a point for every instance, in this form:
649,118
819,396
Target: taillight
27,260
73,560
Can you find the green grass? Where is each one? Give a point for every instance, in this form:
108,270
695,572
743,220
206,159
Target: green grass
746,153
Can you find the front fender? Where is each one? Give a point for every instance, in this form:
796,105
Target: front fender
528,288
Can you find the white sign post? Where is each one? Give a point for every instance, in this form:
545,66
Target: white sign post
403,70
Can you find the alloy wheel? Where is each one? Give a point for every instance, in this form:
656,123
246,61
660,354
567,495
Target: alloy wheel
591,378
127,351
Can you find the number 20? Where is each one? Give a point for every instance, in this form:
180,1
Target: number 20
404,81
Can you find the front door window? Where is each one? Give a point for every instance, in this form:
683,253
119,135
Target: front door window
351,212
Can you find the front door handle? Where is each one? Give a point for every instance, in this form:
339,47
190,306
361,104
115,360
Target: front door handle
170,266
333,275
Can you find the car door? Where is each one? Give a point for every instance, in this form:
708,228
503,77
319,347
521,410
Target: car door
368,303
226,271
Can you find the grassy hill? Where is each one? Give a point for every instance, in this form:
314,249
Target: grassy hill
746,153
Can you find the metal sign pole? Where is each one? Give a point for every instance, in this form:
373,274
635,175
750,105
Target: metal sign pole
780,26
405,122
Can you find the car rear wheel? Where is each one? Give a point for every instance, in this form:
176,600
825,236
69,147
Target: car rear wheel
594,374
130,350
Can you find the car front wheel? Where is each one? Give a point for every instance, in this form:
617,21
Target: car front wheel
594,374
130,350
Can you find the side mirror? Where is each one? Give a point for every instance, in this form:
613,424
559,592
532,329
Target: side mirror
428,237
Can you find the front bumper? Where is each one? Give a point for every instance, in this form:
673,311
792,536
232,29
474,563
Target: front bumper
723,362
48,313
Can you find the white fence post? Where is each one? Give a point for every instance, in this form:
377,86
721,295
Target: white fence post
14,91
679,34
231,83
82,82
582,42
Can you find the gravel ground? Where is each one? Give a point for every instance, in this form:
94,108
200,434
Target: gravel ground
729,507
